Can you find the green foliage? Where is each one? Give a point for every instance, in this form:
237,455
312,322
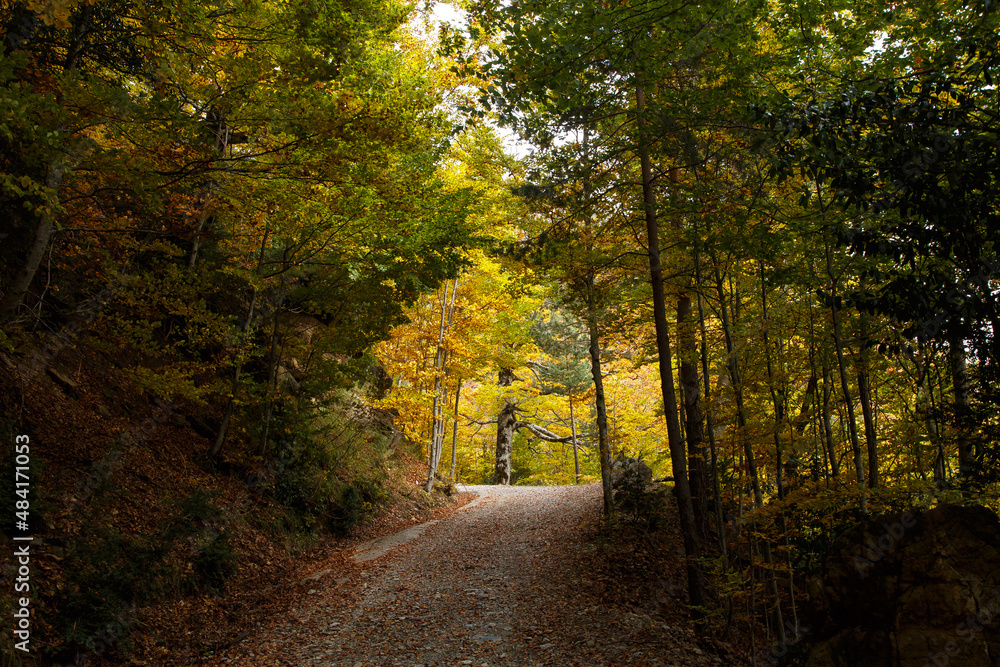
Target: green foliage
306,465
217,561
174,325
261,159
349,511
357,500
541,479
107,574
817,528
899,156
522,462
372,490
197,507
447,488
301,489
566,340
270,185
480,468
313,461
110,573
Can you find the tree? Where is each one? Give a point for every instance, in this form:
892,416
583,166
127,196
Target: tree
910,151
254,145
489,330
570,65
563,339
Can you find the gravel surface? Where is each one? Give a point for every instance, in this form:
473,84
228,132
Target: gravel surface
503,581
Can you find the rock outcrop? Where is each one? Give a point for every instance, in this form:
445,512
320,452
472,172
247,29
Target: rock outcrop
630,471
912,590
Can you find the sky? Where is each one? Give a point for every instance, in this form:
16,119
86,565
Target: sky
447,13
443,12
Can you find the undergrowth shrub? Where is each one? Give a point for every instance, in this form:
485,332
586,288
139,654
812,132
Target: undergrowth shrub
372,491
216,561
328,469
348,512
447,488
357,500
199,505
109,573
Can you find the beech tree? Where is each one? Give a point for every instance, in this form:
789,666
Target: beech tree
562,337
579,74
242,155
909,151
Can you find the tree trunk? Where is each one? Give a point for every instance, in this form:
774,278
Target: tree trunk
36,251
733,366
441,424
808,405
852,426
941,462
272,376
821,427
827,426
604,447
925,404
454,432
440,388
716,491
693,426
572,429
682,491
505,432
823,408
864,395
748,453
196,242
777,403
436,424
602,414
963,411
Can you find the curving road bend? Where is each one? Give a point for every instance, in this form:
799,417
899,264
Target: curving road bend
500,582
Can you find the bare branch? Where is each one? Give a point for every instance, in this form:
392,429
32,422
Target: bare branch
477,421
542,433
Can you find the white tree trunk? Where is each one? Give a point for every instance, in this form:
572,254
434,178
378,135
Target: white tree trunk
505,432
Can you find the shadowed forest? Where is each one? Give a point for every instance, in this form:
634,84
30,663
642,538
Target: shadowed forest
274,276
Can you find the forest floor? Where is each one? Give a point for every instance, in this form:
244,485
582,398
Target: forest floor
520,576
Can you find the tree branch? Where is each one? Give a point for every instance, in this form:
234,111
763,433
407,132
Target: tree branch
542,433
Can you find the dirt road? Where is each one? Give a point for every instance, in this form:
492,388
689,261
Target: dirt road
502,582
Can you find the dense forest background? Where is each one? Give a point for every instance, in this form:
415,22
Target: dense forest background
753,243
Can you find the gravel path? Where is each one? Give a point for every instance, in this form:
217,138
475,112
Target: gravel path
501,582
